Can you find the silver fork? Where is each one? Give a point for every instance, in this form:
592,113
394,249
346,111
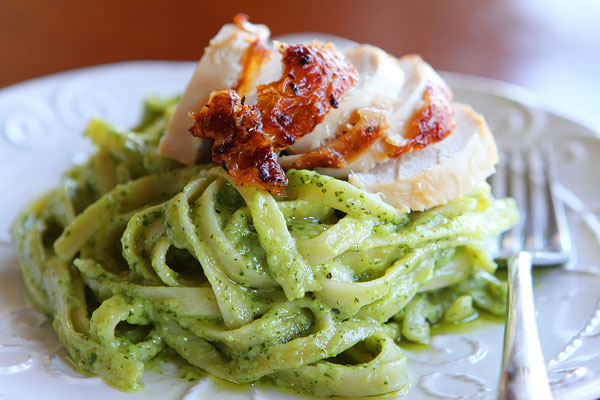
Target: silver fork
540,238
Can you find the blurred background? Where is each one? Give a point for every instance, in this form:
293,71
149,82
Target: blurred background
551,47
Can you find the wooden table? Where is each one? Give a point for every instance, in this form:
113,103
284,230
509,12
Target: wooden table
549,46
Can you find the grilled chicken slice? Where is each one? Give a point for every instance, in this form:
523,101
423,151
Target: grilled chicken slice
412,103
380,77
439,172
234,58
247,138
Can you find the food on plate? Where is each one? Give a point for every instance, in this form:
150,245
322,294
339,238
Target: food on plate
294,217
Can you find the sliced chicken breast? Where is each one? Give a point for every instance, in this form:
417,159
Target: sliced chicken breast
219,68
395,132
380,77
438,173
395,88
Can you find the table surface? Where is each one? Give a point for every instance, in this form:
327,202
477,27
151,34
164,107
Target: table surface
550,47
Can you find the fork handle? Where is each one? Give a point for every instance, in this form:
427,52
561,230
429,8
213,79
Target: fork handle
523,369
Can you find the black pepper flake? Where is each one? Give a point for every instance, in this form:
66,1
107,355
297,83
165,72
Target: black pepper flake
243,100
223,165
304,59
293,87
333,101
328,276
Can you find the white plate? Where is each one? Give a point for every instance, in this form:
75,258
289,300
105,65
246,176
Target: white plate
40,136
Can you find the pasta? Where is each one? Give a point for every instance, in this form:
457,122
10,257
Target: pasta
134,254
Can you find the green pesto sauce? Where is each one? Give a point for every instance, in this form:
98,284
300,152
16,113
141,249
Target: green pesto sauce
481,320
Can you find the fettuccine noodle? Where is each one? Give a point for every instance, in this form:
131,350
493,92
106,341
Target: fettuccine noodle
133,254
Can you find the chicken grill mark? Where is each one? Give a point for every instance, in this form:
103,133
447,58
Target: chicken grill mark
254,58
430,124
349,146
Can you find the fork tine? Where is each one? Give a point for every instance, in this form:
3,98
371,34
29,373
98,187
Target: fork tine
537,205
512,240
542,230
557,232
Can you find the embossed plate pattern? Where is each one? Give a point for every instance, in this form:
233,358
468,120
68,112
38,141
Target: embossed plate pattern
40,136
